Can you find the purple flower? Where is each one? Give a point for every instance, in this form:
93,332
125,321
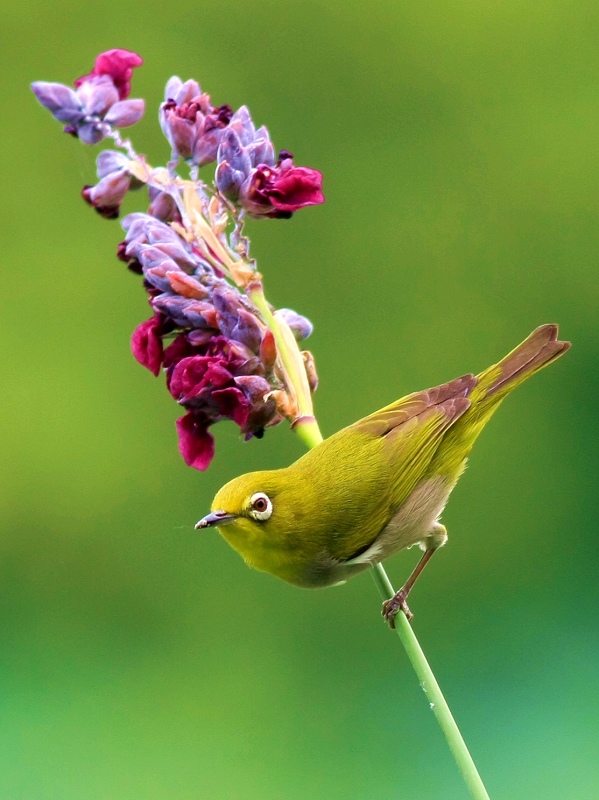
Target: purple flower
242,147
191,124
99,97
150,241
234,321
163,206
115,181
219,358
301,326
247,174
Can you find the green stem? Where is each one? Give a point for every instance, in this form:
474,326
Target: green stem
290,357
433,692
307,429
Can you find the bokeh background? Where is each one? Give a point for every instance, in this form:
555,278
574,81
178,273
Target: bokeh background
140,660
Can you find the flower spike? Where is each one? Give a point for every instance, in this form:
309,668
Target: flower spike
224,351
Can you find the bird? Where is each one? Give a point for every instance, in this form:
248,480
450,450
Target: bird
375,487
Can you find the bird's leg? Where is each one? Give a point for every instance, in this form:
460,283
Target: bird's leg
432,542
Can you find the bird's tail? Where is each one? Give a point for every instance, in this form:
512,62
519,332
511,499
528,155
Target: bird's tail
537,351
540,349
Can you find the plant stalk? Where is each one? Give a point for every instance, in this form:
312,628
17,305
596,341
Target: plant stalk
433,692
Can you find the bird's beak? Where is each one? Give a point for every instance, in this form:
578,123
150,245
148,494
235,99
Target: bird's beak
216,518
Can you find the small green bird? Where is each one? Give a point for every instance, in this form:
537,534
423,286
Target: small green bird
375,487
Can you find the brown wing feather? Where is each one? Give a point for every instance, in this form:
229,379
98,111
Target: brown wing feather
388,419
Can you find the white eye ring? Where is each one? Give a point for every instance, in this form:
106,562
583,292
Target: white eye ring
260,506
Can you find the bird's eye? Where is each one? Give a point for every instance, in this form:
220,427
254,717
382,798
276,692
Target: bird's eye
260,506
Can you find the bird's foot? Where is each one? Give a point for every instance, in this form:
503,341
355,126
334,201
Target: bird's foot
392,607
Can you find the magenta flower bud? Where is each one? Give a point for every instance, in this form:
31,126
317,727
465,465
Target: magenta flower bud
196,445
277,192
146,344
191,376
118,65
301,326
125,113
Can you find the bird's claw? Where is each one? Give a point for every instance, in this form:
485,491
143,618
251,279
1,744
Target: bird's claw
392,607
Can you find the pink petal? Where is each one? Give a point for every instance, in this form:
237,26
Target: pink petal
146,345
196,445
119,65
295,188
232,403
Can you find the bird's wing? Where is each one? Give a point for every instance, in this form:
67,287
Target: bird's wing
393,417
410,431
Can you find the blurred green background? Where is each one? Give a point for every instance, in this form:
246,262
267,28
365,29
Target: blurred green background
140,660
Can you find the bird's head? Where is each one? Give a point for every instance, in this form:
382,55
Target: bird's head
251,512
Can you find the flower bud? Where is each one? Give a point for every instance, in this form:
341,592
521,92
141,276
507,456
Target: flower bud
196,445
301,326
125,113
163,206
179,92
98,96
208,141
158,275
146,343
241,123
278,192
310,367
118,65
107,195
61,101
180,126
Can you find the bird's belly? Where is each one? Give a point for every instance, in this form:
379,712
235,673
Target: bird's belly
414,520
409,525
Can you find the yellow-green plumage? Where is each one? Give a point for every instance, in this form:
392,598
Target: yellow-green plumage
376,486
